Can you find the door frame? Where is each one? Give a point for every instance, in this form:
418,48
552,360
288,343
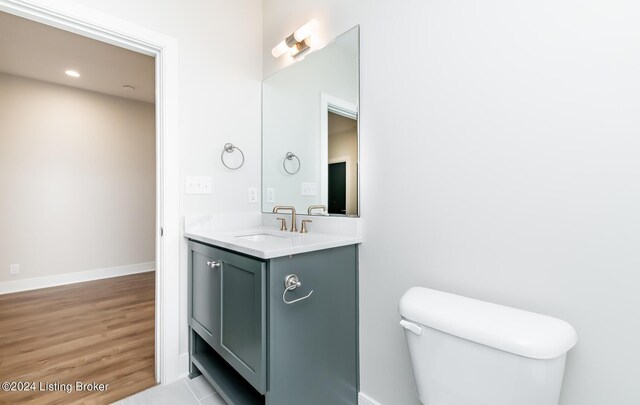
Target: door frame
79,19
329,103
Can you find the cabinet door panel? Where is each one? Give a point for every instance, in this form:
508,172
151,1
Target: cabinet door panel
204,299
243,318
238,319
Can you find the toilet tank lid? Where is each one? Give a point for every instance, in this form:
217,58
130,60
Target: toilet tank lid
509,329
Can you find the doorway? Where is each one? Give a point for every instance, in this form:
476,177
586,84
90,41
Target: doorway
78,169
339,143
342,158
164,49
338,188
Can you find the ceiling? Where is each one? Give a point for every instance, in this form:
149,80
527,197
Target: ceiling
37,51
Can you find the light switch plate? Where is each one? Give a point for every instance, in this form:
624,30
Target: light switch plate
197,185
271,195
252,195
309,189
14,269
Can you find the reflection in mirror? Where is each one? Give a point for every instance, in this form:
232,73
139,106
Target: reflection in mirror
310,132
342,170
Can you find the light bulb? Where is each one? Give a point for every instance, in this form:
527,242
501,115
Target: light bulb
306,30
279,49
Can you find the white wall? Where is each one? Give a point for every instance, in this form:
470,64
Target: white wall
220,75
77,174
500,145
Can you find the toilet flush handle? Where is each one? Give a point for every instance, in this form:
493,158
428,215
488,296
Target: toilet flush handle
411,326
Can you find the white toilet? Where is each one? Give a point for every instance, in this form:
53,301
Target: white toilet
470,352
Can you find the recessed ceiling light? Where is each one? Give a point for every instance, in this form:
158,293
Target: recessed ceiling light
72,73
128,87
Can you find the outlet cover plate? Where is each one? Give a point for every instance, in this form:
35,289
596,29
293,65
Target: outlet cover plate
309,189
271,195
252,195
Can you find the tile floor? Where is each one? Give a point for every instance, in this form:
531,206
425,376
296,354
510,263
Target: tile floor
184,392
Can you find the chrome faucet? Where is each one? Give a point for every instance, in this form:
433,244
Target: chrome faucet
317,207
278,208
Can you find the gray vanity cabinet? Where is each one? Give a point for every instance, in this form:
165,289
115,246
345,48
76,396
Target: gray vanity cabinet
227,308
259,344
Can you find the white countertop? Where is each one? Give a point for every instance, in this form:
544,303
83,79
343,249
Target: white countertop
276,244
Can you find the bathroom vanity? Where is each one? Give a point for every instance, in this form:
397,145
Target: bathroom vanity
273,315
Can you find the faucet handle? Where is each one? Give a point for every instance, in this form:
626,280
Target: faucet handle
317,207
283,223
304,225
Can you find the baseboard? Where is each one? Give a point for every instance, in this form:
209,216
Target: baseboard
184,365
364,399
13,286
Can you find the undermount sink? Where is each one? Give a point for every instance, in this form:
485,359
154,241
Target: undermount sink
260,237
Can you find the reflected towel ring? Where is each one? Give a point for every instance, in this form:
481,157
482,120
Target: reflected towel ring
290,156
229,148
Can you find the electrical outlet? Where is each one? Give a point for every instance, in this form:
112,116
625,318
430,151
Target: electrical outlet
309,189
271,195
252,196
197,185
14,268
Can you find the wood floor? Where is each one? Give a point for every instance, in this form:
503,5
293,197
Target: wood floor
99,331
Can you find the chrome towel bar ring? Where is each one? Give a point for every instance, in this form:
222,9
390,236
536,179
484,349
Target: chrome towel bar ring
290,156
230,148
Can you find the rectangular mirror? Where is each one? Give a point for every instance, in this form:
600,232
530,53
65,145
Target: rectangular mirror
310,139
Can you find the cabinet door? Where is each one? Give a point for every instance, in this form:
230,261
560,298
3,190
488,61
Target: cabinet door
243,317
204,297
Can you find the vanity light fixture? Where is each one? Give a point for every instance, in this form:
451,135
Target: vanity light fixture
72,73
297,42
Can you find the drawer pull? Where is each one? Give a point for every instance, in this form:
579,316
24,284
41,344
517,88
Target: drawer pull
291,282
214,263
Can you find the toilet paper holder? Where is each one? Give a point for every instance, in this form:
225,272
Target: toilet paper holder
291,282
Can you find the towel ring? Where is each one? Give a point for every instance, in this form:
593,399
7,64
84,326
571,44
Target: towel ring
229,148
290,156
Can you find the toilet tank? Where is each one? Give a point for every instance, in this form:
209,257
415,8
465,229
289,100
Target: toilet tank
469,352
